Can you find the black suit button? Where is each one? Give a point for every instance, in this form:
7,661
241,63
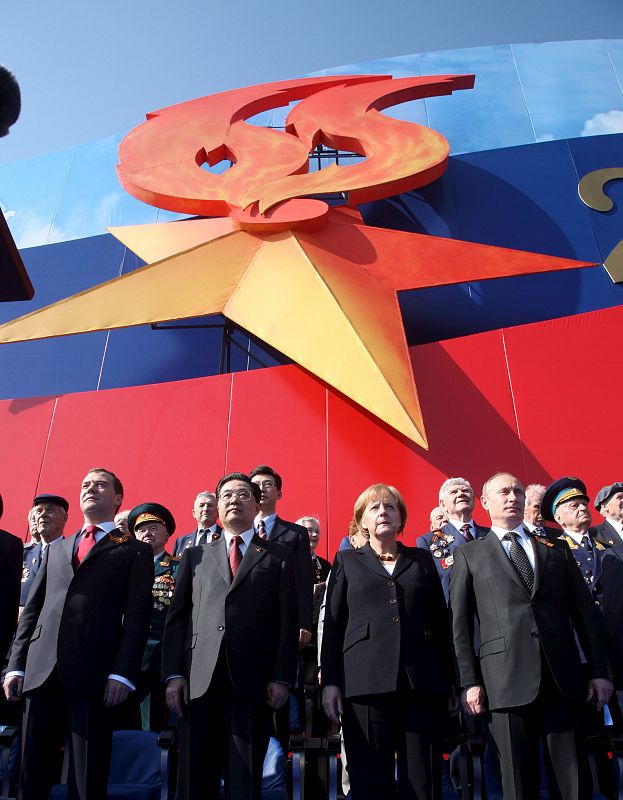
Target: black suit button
396,619
390,583
221,627
534,634
393,600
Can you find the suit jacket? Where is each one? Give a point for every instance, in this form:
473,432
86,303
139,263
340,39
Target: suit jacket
183,542
612,583
296,537
445,559
606,534
90,622
33,553
376,625
11,563
253,617
516,628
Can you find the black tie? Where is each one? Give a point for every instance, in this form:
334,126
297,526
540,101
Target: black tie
203,537
520,560
466,530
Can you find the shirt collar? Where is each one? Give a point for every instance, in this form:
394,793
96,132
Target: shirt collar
245,537
577,537
269,521
458,525
105,527
519,530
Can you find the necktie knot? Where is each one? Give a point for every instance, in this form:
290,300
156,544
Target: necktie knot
586,543
91,530
466,530
202,538
261,528
511,536
87,541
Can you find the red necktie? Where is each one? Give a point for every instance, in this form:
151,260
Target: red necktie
261,528
86,543
466,530
235,555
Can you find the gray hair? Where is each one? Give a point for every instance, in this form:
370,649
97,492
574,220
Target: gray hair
535,488
452,482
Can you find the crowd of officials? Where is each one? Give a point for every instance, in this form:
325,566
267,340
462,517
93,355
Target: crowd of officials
516,627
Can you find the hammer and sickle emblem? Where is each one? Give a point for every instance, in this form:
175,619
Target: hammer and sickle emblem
591,191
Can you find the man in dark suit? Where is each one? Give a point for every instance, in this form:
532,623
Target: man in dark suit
456,498
268,525
229,649
609,503
204,512
11,561
529,597
78,648
49,515
612,581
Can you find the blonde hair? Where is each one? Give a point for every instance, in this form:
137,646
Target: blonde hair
376,492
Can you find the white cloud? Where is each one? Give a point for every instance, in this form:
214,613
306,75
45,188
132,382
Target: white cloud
545,137
605,122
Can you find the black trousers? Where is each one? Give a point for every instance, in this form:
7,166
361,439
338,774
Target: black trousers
517,734
50,712
383,730
223,736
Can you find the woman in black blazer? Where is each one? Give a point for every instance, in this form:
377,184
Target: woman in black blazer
386,661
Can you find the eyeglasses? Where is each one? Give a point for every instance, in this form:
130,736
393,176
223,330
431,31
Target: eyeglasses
267,484
241,494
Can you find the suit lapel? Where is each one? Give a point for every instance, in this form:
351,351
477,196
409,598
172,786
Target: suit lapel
275,531
217,553
255,552
403,562
371,560
68,546
541,554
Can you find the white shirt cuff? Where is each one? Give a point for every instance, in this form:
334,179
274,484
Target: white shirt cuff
124,681
14,673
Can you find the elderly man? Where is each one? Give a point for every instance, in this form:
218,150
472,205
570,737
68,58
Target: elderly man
78,647
152,523
438,518
533,519
230,648
609,503
204,513
526,676
567,503
456,498
48,515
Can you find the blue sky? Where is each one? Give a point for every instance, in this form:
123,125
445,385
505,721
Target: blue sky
88,71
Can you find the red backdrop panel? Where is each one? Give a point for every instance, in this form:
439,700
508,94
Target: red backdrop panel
166,443
540,400
281,421
24,430
568,386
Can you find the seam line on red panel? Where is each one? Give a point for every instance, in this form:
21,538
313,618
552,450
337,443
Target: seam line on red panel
47,442
231,397
326,509
510,384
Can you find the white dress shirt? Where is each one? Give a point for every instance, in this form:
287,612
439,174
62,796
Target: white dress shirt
522,538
